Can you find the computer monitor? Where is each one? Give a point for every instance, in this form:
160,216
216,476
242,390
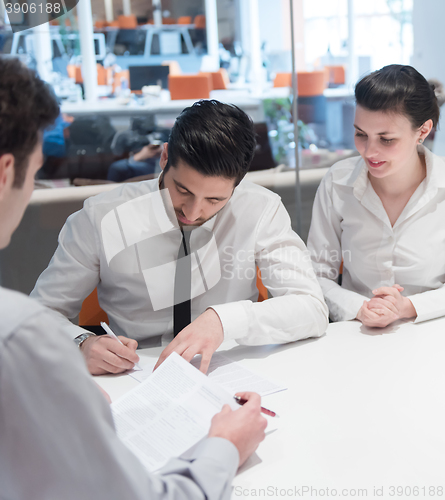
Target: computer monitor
148,75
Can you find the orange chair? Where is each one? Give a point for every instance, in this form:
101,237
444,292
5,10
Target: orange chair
200,22
55,22
283,80
168,20
311,100
185,20
263,293
100,24
336,74
91,313
220,79
104,75
311,83
340,273
75,72
118,77
127,22
113,24
190,86
174,68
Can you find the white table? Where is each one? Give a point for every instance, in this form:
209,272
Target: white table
365,409
165,111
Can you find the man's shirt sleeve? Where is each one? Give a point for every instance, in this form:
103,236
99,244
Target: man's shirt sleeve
297,309
72,273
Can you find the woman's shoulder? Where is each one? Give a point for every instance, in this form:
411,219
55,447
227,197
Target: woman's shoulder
344,172
435,166
431,158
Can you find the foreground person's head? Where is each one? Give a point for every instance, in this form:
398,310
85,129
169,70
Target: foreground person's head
27,107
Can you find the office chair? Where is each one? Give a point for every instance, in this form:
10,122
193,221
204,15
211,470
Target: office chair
190,86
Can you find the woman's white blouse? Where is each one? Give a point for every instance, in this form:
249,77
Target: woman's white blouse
349,224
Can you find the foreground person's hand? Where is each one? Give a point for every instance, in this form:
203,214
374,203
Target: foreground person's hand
244,427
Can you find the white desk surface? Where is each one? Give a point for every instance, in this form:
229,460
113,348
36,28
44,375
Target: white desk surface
113,106
365,409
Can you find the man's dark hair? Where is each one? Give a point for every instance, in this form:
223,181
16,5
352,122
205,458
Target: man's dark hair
27,107
215,139
400,89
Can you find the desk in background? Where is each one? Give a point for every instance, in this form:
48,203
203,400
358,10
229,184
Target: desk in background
166,112
365,409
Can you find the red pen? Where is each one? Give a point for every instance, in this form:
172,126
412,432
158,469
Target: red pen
242,401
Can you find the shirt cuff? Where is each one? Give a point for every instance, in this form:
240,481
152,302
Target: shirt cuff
234,318
75,331
220,449
343,305
424,306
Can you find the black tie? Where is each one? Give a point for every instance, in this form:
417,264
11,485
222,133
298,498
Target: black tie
183,280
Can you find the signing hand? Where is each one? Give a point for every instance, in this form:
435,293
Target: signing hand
244,427
203,336
105,355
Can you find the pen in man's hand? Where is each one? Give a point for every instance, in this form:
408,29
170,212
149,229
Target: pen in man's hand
242,401
110,332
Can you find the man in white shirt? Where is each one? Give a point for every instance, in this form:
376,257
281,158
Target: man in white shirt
126,243
57,438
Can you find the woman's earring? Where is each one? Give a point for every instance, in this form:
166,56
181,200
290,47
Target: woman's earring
420,141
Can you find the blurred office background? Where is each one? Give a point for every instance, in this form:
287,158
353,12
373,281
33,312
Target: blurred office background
124,69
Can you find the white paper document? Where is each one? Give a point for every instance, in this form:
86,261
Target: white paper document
147,365
169,412
227,373
236,378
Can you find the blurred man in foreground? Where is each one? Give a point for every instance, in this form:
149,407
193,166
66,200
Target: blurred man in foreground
57,438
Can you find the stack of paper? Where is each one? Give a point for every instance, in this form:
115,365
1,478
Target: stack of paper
169,412
229,374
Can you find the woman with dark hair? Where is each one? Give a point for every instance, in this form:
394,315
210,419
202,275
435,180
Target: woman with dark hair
381,216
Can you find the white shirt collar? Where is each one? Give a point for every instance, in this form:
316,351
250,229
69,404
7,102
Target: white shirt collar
359,180
435,168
